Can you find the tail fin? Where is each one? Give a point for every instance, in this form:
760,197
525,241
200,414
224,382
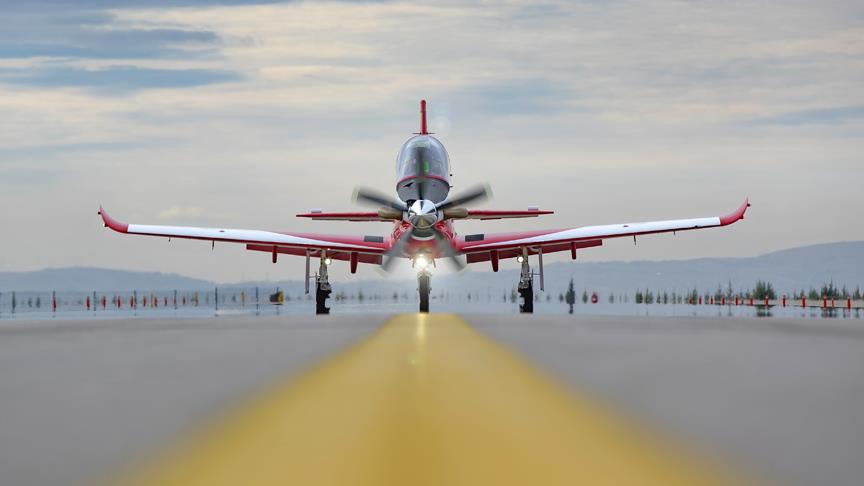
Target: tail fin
423,130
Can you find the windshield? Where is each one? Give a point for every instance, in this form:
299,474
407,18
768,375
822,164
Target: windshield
423,156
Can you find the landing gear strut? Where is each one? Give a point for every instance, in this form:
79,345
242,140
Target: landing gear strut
322,288
526,286
423,287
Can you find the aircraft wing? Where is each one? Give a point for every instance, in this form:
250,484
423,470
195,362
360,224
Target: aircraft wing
368,249
482,247
377,216
352,216
496,214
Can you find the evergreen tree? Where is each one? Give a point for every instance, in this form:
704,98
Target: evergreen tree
570,297
584,296
764,290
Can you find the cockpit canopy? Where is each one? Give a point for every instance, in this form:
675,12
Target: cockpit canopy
423,156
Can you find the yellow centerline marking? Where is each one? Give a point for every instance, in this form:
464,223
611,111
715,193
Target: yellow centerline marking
424,400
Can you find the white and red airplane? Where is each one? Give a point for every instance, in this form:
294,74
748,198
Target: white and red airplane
423,231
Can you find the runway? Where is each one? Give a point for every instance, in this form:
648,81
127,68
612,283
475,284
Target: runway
433,399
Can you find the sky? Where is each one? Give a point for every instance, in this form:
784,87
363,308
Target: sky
241,114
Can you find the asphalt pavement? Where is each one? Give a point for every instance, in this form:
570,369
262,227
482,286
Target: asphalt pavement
778,399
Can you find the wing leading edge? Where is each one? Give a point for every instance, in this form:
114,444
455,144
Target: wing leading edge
278,242
480,247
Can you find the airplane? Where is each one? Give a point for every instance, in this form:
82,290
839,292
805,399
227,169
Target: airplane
423,216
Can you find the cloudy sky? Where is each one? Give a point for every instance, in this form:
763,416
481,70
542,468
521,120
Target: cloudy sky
243,113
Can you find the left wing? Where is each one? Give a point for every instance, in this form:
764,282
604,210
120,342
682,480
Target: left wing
366,249
484,247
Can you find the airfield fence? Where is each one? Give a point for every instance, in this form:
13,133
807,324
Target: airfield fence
248,299
263,300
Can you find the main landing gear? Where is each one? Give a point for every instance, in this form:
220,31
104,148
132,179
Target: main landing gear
322,287
526,281
424,279
526,288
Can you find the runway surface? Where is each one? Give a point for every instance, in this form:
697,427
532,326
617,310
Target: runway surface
432,400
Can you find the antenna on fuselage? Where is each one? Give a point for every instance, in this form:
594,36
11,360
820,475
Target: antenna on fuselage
423,130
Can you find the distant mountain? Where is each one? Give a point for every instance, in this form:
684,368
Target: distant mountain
99,279
787,270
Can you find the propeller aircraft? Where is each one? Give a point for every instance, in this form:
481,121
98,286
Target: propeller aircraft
423,213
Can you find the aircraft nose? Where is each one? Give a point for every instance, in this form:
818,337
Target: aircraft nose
423,207
423,214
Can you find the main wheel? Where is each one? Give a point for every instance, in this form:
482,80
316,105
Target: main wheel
423,288
321,296
527,294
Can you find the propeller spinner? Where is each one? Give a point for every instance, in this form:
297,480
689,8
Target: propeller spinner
422,214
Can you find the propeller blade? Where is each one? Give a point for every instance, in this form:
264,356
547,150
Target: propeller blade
396,250
474,194
446,249
455,213
390,213
363,195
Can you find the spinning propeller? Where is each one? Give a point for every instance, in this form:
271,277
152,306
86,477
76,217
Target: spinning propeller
423,215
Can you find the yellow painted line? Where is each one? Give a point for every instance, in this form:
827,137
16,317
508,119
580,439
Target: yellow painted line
426,400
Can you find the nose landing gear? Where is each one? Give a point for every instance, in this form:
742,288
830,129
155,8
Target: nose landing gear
424,279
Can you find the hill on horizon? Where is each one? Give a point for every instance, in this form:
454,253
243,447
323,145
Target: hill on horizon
787,270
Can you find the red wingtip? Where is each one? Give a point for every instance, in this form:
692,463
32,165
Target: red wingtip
736,215
113,223
423,130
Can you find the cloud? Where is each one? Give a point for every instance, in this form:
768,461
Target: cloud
818,116
509,97
179,212
76,33
604,111
116,79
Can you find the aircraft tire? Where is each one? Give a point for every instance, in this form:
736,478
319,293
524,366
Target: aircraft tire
423,288
321,297
527,294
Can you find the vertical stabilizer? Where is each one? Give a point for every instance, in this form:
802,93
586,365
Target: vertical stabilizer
423,130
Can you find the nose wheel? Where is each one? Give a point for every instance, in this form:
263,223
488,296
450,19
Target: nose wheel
424,279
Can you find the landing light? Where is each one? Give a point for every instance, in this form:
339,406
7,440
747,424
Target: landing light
520,259
421,262
328,261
